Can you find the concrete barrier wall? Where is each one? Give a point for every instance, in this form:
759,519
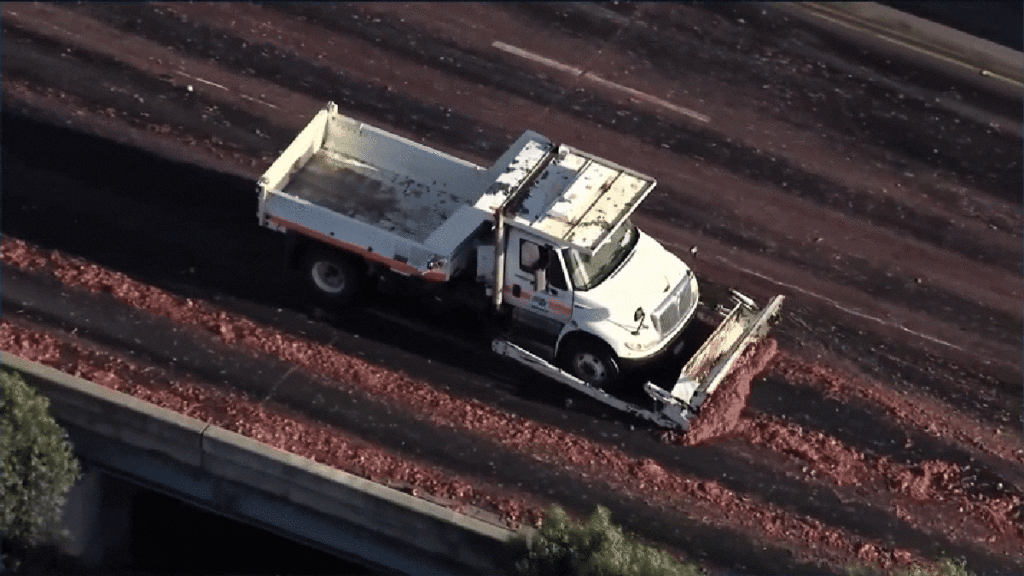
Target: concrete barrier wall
358,505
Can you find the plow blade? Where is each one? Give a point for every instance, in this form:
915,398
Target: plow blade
743,325
523,356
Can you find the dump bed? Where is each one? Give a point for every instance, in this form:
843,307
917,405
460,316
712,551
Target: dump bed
372,192
417,209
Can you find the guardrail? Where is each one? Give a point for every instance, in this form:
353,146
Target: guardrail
430,539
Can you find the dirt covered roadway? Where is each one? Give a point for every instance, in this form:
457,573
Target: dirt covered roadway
883,201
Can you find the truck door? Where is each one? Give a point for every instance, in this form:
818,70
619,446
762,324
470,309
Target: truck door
537,288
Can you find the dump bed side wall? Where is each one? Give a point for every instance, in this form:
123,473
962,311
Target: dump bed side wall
294,157
340,231
402,165
381,149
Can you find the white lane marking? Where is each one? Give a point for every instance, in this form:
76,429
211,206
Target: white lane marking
896,37
591,76
652,99
198,79
536,58
839,306
258,101
250,98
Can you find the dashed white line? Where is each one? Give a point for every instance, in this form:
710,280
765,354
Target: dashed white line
839,306
250,98
652,99
198,79
591,76
702,118
536,58
258,101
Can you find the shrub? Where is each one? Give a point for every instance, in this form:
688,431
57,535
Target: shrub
37,467
595,548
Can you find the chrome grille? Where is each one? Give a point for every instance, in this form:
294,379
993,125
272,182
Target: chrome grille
667,316
670,313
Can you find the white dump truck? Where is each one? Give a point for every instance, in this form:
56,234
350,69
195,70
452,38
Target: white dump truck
540,244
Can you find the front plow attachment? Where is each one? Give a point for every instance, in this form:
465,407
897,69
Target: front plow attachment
744,324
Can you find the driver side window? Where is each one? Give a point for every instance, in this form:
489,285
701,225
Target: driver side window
532,257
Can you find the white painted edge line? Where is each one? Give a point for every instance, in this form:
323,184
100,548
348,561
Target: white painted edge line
591,76
258,101
838,305
842,16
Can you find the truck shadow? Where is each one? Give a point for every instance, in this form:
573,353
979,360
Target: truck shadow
193,232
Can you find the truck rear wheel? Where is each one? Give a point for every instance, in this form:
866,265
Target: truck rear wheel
334,277
593,362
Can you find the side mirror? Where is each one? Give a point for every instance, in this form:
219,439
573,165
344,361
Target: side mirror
638,317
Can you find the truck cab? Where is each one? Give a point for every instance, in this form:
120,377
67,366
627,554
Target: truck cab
541,241
584,287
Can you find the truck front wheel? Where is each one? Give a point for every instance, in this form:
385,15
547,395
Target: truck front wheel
334,277
592,362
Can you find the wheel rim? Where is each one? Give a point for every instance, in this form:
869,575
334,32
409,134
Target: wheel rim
590,368
328,277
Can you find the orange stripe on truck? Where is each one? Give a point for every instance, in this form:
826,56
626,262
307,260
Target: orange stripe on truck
557,307
399,267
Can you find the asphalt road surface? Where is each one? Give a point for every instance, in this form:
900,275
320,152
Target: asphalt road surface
883,201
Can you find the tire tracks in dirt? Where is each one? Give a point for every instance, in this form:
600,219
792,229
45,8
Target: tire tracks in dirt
813,81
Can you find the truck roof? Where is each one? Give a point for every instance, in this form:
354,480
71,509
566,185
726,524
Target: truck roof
576,198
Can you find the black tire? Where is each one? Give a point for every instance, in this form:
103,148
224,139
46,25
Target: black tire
593,362
333,277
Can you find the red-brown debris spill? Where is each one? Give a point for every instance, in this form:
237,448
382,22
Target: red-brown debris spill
830,457
720,416
928,483
693,497
914,410
272,425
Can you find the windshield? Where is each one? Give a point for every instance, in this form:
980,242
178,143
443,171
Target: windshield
589,271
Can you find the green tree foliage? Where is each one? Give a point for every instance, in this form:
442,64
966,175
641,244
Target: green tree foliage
595,548
37,466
